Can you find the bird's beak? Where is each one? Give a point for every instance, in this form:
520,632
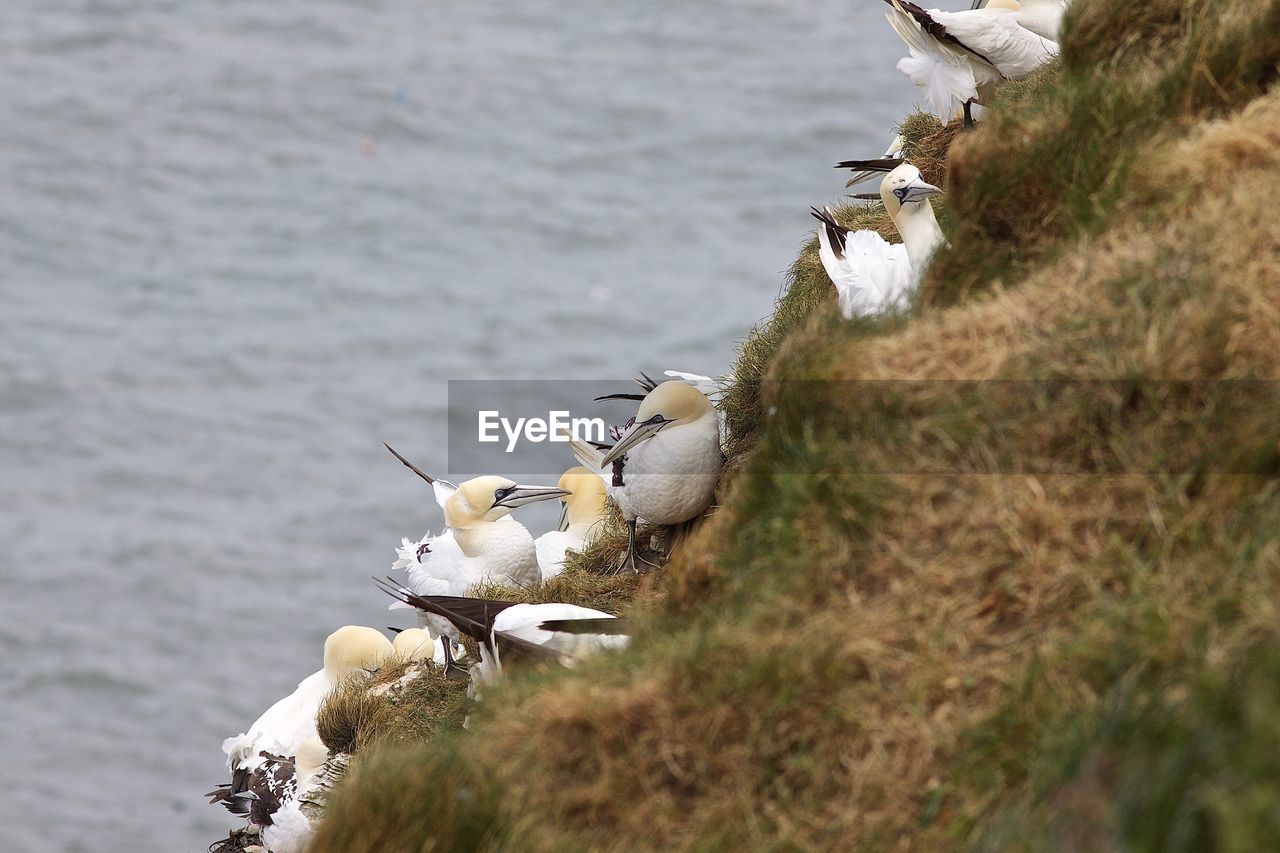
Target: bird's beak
919,191
521,495
634,435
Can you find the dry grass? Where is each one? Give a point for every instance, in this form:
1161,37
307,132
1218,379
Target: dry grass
1054,162
931,615
363,713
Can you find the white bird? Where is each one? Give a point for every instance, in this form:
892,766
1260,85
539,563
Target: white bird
671,461
416,644
870,274
958,58
584,509
283,727
482,544
565,633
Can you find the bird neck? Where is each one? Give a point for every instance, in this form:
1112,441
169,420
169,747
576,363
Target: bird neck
476,538
920,232
583,514
458,514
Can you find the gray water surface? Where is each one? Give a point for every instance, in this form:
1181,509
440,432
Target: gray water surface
243,243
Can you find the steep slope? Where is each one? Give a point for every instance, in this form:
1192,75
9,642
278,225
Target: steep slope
1003,573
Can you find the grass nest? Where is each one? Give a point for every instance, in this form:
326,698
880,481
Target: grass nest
405,701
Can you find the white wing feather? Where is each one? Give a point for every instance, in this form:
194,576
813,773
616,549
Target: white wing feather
443,490
996,34
948,75
872,276
522,622
705,384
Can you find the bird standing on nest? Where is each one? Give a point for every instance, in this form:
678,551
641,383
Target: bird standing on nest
671,461
870,274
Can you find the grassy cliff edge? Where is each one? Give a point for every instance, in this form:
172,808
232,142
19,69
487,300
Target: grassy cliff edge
1001,574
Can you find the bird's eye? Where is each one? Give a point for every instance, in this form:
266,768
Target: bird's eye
656,419
501,493
901,193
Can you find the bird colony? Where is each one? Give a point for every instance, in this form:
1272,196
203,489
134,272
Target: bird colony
662,469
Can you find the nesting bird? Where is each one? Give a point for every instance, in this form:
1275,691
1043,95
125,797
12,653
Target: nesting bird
481,544
564,633
870,274
959,58
416,644
584,508
275,794
285,726
671,461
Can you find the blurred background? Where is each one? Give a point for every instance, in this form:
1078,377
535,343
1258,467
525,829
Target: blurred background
243,244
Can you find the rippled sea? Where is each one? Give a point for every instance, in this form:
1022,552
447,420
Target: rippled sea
243,243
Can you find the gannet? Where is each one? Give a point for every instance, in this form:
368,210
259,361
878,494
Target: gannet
280,809
671,461
869,273
958,58
416,644
481,544
284,726
275,792
562,632
584,508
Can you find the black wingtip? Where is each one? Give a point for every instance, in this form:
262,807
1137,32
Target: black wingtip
825,217
618,397
390,587
414,468
879,164
593,625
